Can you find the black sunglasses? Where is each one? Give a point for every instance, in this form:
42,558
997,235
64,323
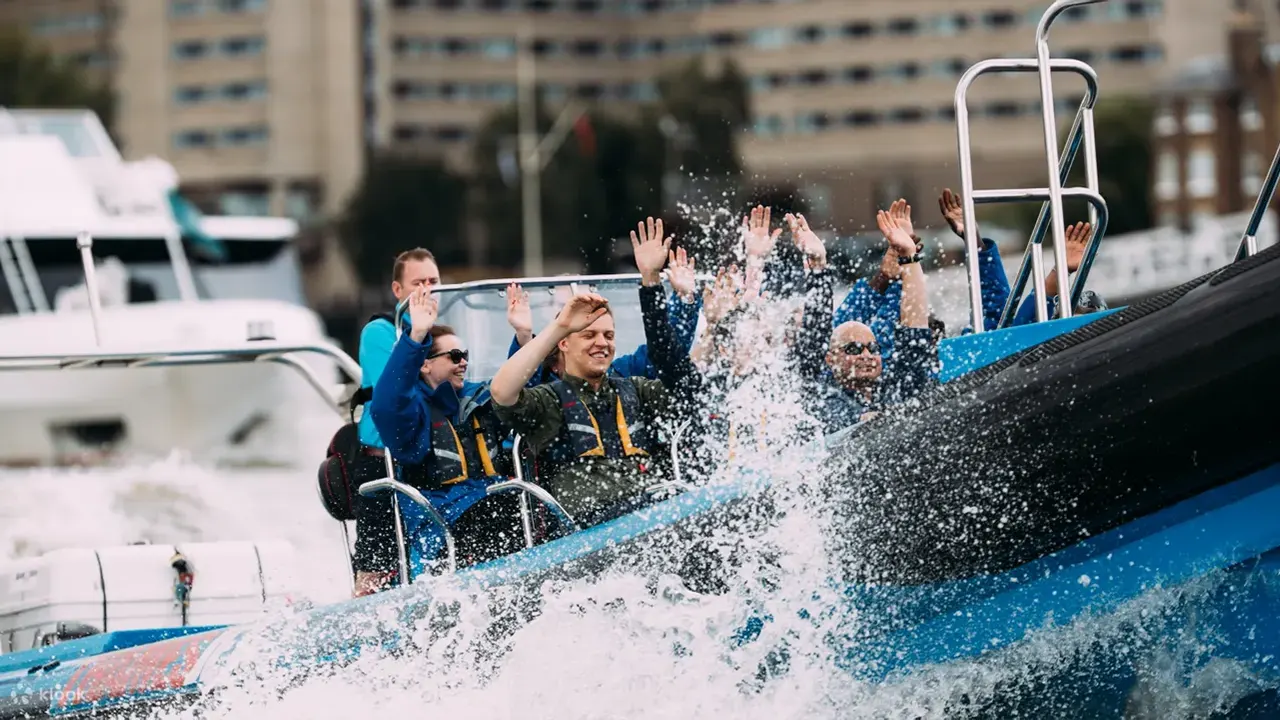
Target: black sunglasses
856,348
455,356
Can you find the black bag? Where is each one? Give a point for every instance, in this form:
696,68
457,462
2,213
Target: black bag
338,481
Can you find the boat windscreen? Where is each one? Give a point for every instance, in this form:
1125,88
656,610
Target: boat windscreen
479,315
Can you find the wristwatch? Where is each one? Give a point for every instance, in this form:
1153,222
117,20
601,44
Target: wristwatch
908,260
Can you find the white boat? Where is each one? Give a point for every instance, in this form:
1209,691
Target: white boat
63,179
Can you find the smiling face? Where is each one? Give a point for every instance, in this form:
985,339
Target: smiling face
441,368
588,353
853,369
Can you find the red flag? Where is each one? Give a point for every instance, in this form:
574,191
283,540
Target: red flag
586,135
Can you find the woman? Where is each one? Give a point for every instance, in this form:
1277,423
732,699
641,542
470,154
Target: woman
448,443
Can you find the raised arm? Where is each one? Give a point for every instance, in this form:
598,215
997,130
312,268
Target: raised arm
915,298
815,331
577,314
395,408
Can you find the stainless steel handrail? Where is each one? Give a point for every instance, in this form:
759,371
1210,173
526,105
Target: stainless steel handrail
1056,221
547,499
22,255
386,484
1249,241
12,278
1082,131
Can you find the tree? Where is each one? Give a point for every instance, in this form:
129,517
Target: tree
404,202
31,77
611,170
1124,137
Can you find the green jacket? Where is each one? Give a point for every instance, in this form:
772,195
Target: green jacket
591,489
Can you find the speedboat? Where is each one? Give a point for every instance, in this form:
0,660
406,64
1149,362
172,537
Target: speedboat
1114,468
169,278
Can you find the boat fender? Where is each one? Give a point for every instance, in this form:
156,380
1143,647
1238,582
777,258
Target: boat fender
182,583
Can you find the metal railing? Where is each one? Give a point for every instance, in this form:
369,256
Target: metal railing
526,489
1051,214
1249,241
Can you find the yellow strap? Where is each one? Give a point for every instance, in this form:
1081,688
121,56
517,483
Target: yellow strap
598,450
461,456
625,433
485,461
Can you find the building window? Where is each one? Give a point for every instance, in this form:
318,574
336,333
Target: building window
1251,173
1000,19
858,30
903,26
1166,121
860,74
190,94
768,126
242,46
1250,118
190,49
498,48
769,38
1200,116
242,136
253,204
861,118
242,91
1202,179
240,6
185,139
1167,175
185,8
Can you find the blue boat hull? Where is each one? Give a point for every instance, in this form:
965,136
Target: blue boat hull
1165,537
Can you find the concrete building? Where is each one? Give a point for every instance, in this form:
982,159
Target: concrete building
266,105
256,103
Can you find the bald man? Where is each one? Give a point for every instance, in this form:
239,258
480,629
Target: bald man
860,383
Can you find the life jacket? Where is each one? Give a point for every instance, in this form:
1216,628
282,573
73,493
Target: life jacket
584,435
470,448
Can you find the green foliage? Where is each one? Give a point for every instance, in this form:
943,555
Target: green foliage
1124,136
30,77
404,202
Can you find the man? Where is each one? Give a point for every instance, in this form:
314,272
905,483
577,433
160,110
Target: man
861,385
413,270
593,433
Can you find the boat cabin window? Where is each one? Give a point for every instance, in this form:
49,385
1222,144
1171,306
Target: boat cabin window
253,268
480,317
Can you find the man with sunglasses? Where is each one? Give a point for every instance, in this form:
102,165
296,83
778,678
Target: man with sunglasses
447,442
861,384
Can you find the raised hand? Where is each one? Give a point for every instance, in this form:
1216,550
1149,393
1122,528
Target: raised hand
900,211
899,239
519,315
580,311
681,273
1077,243
422,312
952,211
722,296
650,250
757,239
815,251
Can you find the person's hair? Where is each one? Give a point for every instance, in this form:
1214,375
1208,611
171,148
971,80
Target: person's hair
408,256
439,331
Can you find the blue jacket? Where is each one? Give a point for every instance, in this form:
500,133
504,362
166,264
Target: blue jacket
683,318
401,410
376,340
880,311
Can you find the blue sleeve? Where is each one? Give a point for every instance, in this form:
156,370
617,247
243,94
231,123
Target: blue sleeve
1027,311
399,411
994,283
515,347
683,317
635,365
861,304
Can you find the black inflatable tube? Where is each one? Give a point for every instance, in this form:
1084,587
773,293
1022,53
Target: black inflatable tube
1131,414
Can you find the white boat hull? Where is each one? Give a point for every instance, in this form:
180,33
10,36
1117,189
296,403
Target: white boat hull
251,413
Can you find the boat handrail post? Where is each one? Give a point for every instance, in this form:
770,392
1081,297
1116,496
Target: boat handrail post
1081,133
1047,111
1249,241
84,241
181,265
542,495
517,466
22,255
394,486
17,285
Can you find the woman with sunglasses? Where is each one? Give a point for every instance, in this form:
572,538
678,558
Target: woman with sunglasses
447,442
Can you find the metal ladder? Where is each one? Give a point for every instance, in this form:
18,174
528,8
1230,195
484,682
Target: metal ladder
1058,166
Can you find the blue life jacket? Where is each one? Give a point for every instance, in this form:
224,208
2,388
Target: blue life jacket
582,434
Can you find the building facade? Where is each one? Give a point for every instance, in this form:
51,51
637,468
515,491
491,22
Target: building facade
268,105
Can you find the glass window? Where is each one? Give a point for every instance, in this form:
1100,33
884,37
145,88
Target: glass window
240,6
242,46
189,94
1250,118
769,38
192,139
245,203
1251,173
1202,179
498,48
190,49
1166,121
1200,116
185,8
241,91
244,136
